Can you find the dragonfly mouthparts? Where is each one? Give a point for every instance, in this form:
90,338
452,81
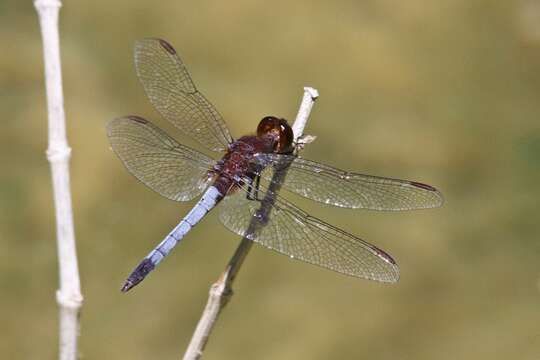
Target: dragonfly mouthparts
138,274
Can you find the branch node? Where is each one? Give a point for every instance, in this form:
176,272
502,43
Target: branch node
69,300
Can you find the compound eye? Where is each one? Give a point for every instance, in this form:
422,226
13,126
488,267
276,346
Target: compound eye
280,129
286,138
266,125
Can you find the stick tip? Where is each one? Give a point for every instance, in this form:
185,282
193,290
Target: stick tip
312,92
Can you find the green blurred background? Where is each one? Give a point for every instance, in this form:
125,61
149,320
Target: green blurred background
444,92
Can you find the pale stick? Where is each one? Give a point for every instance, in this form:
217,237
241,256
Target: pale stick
221,291
69,296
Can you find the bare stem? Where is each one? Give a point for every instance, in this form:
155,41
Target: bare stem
221,291
69,296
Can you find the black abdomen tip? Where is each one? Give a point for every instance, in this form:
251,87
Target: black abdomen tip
138,274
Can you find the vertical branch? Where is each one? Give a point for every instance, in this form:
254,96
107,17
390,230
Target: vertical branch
69,296
308,100
221,291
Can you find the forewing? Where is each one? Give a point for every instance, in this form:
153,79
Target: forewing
287,229
175,171
172,92
336,187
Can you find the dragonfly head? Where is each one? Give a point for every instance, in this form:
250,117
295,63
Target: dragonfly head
280,132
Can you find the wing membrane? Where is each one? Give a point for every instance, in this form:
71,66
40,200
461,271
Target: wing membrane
279,225
170,89
175,171
336,187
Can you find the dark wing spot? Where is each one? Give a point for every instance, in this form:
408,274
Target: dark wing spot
384,255
137,119
167,47
422,186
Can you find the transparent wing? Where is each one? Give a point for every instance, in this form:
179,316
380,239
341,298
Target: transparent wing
175,171
281,226
170,89
336,187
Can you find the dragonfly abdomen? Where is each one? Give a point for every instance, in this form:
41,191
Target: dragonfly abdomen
210,198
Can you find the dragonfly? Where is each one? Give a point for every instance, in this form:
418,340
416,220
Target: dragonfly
247,177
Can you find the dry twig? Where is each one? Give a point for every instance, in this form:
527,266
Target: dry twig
69,296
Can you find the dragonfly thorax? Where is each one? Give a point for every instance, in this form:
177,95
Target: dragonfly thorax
238,162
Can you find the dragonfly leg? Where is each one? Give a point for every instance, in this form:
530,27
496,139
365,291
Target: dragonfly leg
253,189
258,182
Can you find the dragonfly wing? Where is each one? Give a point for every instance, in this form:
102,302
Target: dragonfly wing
336,187
281,226
170,89
173,170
